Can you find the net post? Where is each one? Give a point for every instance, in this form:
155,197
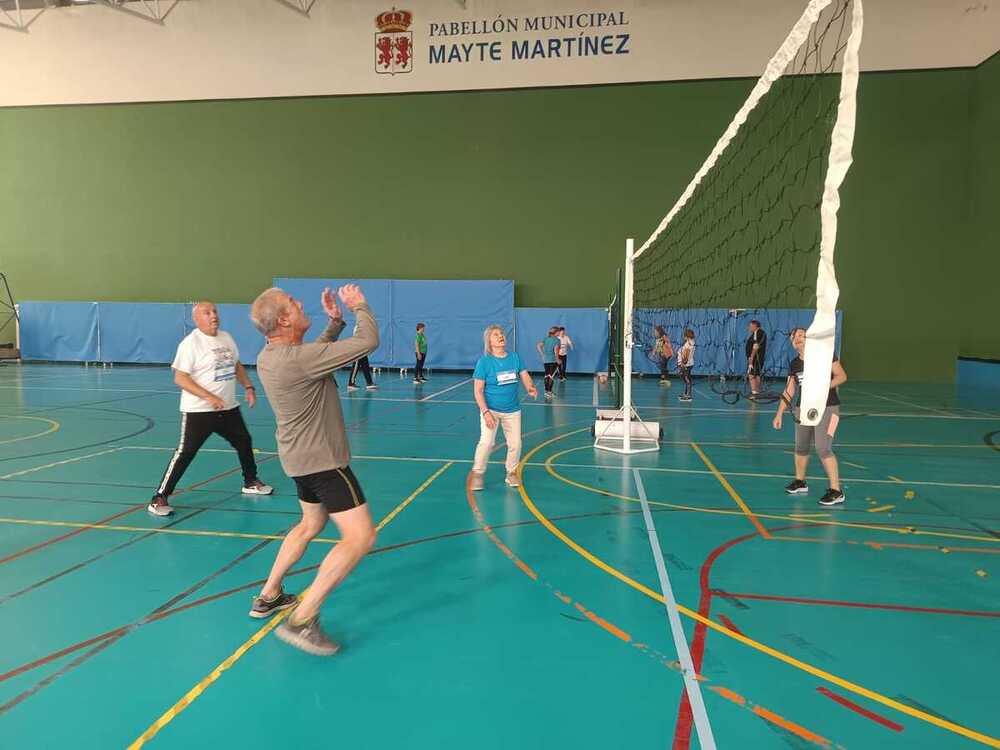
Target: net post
627,311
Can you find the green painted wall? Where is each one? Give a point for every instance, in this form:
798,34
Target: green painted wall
182,201
979,296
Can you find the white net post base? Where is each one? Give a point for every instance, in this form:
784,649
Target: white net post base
610,427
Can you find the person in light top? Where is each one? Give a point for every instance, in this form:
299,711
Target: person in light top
685,363
496,378
565,344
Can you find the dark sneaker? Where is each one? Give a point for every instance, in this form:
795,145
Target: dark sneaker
798,487
266,607
257,487
307,636
160,506
832,497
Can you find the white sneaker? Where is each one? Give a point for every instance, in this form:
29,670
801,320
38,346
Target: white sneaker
258,488
548,396
371,387
512,480
476,481
159,506
351,387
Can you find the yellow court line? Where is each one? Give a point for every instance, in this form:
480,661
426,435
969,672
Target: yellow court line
399,508
881,508
908,530
732,493
191,695
779,655
53,426
179,532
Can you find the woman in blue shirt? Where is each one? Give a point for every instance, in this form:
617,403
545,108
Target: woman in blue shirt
496,377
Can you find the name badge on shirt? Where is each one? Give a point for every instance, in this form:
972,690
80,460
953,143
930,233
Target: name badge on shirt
506,378
225,365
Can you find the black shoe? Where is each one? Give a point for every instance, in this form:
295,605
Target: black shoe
832,497
266,607
797,487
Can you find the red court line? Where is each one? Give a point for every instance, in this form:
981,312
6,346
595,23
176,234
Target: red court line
685,719
859,709
63,537
729,623
863,605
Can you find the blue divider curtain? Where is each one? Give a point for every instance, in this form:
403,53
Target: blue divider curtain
58,331
586,326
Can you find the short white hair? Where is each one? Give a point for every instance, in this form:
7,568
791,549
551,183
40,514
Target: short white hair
203,303
267,308
486,337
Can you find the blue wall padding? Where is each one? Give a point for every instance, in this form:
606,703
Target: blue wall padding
59,331
234,319
717,333
456,312
979,373
140,332
586,326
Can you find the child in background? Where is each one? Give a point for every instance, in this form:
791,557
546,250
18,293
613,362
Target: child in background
565,344
420,348
663,350
685,363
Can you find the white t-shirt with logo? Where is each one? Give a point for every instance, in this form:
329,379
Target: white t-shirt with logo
211,363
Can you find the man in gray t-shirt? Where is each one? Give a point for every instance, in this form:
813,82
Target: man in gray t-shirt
313,448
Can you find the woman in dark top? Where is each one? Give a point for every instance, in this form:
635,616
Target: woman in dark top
821,434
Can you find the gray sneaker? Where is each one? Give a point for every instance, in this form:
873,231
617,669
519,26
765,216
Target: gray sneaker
476,482
266,607
307,636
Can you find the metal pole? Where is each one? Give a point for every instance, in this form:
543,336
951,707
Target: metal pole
627,347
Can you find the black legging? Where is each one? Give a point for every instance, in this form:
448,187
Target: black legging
562,365
686,375
419,371
550,375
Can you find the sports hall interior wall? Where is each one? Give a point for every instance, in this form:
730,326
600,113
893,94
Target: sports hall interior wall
167,202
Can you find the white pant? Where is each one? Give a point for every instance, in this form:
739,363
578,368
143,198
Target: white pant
511,424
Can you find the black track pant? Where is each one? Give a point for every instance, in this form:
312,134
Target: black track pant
196,427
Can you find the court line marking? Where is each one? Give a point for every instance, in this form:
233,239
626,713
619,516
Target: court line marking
449,388
594,400
702,725
772,516
58,463
188,698
399,508
900,401
53,426
759,475
763,648
732,493
144,529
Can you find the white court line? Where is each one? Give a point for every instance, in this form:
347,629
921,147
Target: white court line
898,401
595,391
655,469
57,463
449,388
701,723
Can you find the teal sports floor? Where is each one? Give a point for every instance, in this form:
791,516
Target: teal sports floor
508,619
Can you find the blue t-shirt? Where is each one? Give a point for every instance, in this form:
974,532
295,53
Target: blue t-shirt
501,375
549,348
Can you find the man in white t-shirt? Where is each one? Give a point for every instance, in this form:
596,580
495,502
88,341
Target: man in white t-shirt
206,368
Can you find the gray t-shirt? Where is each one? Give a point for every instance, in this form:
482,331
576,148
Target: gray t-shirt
297,380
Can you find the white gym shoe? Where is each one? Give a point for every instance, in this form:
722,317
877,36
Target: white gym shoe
476,483
258,488
160,506
351,387
512,480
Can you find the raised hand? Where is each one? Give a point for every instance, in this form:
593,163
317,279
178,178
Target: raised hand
330,304
352,296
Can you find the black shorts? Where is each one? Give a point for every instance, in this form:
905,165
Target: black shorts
337,489
754,371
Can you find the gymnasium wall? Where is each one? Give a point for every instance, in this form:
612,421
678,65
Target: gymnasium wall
161,202
979,293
